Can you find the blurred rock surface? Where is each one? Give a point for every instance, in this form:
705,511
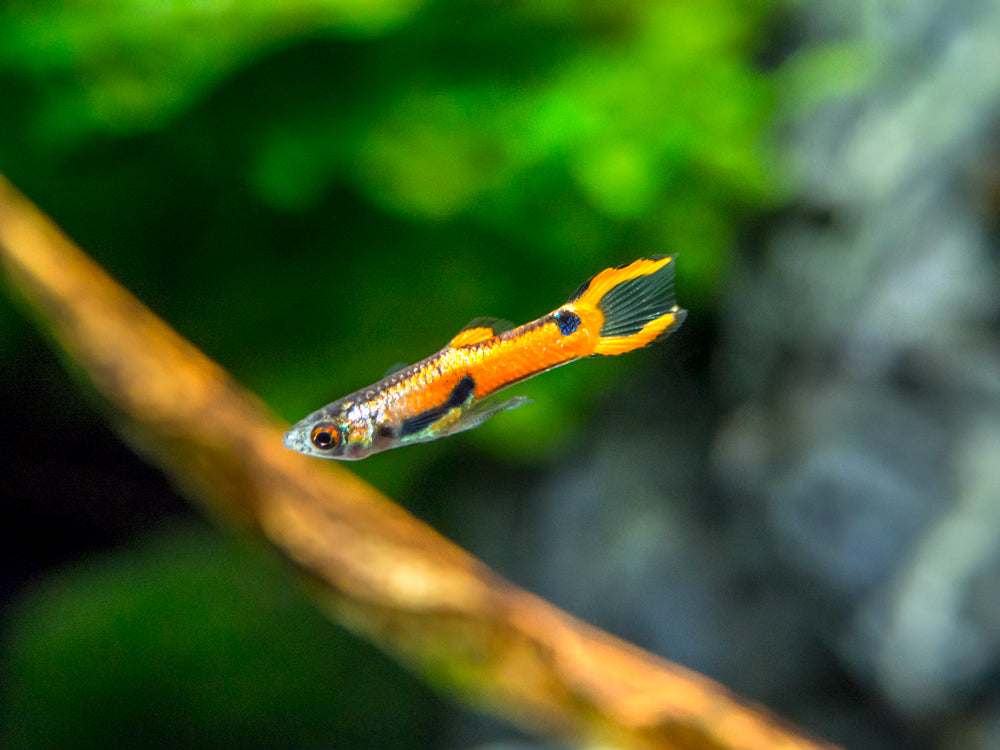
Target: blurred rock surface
824,533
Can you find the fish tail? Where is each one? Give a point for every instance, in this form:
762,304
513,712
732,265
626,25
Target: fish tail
636,304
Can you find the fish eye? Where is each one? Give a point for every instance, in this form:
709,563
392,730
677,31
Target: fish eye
325,437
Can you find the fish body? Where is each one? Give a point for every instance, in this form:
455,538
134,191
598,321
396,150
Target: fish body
616,311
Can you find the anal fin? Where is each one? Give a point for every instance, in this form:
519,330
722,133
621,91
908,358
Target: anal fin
479,413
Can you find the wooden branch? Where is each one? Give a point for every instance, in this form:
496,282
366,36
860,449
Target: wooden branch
378,570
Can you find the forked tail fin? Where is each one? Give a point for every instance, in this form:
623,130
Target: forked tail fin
636,301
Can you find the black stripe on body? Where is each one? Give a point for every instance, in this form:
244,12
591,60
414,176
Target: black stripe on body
461,392
458,396
522,330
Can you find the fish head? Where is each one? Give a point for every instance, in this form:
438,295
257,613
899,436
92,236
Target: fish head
340,430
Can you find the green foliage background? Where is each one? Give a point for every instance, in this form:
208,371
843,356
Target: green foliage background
313,191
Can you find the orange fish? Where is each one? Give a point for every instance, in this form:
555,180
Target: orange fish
616,311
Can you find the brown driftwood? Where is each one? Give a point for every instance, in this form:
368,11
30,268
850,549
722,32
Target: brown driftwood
378,570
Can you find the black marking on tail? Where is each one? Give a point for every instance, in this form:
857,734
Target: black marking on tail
648,257
458,396
631,304
580,290
567,321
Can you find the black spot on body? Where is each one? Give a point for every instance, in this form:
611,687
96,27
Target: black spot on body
567,321
384,431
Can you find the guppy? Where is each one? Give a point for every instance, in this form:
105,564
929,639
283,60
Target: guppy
616,311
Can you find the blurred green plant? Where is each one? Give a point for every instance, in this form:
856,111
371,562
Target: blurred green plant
197,640
125,65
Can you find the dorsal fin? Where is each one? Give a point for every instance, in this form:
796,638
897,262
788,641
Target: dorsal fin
394,368
480,329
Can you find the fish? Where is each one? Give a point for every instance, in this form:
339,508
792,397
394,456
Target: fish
616,311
